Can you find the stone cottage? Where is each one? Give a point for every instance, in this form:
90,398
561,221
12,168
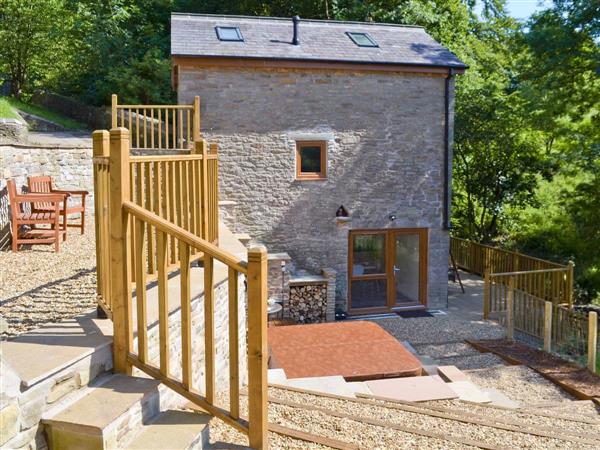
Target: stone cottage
335,142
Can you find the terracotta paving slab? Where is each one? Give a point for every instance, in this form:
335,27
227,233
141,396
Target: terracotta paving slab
355,350
413,389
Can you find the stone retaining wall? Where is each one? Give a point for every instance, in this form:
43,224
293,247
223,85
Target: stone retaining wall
21,407
69,168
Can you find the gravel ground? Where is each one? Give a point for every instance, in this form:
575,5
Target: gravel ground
520,383
440,329
445,350
490,435
39,286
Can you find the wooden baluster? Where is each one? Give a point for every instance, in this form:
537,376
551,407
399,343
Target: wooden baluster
186,316
547,326
192,196
592,340
209,329
188,135
166,128
257,347
174,118
166,200
140,290
186,201
234,365
113,111
173,205
150,207
130,121
179,194
180,140
510,309
159,128
137,127
163,303
486,294
119,248
152,127
132,167
145,129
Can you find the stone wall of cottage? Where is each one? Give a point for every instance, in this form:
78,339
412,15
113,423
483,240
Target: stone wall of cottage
385,145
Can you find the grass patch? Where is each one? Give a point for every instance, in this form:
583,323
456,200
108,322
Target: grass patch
47,114
6,111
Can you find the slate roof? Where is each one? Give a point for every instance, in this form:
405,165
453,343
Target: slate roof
320,40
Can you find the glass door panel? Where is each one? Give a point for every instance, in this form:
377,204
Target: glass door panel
407,268
368,254
368,275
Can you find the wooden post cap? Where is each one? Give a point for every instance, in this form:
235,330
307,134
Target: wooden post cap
119,133
257,253
99,135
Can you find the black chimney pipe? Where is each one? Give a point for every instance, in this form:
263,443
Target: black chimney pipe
296,38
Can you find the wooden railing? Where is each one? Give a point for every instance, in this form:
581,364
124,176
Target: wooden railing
476,258
132,257
534,276
183,189
159,127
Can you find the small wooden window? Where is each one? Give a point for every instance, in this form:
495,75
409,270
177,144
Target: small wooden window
311,160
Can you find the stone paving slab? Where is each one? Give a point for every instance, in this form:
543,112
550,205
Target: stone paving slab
468,392
412,389
330,385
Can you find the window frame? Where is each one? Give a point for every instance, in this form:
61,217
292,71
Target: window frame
351,34
322,175
223,39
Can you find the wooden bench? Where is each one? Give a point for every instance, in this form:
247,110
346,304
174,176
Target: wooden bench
21,216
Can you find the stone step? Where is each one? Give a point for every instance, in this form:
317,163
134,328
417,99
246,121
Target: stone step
110,414
173,430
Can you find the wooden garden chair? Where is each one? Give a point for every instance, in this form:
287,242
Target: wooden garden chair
20,216
43,184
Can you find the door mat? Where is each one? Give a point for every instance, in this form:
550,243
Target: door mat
414,314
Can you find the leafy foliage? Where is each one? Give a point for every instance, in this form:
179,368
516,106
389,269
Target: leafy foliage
527,123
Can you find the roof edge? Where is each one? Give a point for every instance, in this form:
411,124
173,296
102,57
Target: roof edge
460,67
341,22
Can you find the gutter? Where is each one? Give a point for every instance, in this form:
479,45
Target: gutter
447,225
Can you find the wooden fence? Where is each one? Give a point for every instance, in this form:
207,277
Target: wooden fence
133,257
558,327
159,127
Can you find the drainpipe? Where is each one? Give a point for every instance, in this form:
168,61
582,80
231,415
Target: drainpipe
447,150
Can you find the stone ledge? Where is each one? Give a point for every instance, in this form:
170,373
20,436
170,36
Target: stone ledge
279,257
308,279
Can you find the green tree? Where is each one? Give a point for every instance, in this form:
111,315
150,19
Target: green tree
32,41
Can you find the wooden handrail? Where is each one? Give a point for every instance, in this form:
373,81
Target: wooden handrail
194,241
161,158
523,272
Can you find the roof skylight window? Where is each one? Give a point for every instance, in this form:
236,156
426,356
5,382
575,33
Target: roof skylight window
232,34
362,39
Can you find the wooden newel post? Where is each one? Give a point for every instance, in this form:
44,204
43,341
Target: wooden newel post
510,307
548,326
570,281
592,340
101,144
257,347
113,111
120,291
196,119
201,147
486,294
